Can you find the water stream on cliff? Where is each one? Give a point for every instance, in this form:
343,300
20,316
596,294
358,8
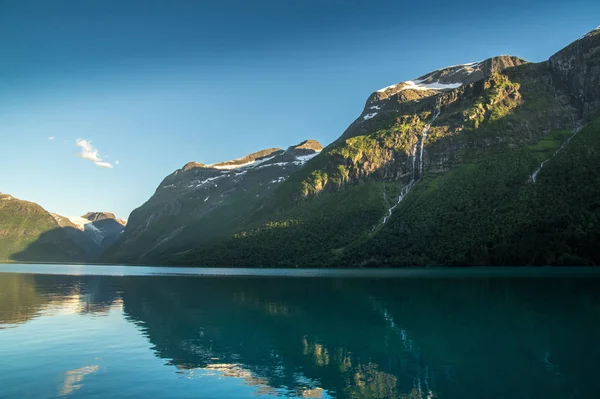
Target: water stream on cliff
405,190
424,137
576,129
562,147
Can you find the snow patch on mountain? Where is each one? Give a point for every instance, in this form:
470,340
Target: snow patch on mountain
459,65
250,164
418,85
78,221
306,158
203,182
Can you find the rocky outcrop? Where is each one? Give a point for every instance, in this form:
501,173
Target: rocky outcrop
576,69
305,148
410,97
502,102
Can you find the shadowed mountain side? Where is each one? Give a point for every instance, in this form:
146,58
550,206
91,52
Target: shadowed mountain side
84,241
52,246
93,232
202,203
105,232
29,233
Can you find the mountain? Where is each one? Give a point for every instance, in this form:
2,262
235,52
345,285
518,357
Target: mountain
29,233
494,162
199,204
98,216
93,232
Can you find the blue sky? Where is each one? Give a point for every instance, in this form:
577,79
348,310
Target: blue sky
155,84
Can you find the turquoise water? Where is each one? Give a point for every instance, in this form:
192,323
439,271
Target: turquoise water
86,331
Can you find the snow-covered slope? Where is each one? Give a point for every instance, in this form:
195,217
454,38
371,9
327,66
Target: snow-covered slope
78,221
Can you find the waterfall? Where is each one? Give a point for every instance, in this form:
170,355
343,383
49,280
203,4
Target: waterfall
576,129
403,193
563,145
424,137
414,160
414,179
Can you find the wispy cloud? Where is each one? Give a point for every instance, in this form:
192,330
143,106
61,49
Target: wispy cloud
117,162
91,154
51,138
104,165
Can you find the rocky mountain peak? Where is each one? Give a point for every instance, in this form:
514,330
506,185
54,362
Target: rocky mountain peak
192,165
304,148
97,216
255,156
447,78
593,32
414,96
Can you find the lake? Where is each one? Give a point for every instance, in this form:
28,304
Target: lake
129,332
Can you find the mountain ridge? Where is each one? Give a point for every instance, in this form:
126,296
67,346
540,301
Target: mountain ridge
365,189
184,204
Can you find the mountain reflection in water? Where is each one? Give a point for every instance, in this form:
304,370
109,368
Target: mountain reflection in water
335,337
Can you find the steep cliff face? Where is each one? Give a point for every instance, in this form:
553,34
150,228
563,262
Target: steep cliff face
498,104
576,69
200,203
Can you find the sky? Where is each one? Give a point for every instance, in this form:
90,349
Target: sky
100,100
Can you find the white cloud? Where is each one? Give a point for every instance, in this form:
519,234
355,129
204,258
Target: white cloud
104,165
51,138
90,153
117,162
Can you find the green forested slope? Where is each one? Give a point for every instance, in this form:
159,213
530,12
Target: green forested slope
490,212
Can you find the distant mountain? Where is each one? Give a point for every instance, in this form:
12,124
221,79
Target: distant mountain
93,232
97,216
200,203
494,162
29,233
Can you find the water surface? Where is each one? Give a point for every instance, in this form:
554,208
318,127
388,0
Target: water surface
85,331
